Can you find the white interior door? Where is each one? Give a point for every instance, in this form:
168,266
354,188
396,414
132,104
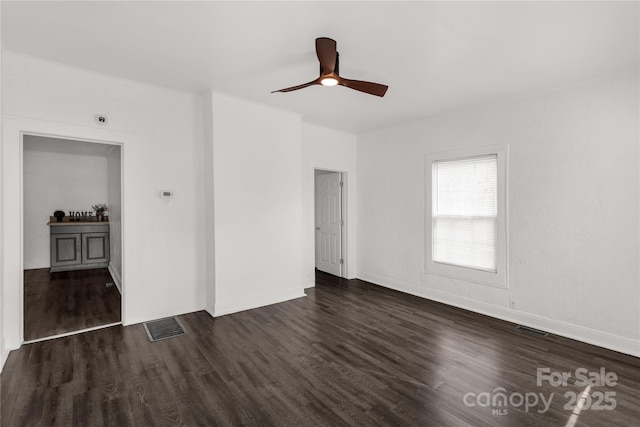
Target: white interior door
328,207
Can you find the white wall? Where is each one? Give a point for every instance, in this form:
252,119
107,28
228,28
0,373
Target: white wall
114,206
328,149
56,181
209,214
4,352
162,141
573,209
258,199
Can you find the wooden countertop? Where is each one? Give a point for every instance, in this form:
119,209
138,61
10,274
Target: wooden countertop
65,222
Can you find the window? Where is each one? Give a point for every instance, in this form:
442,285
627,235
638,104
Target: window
466,221
465,212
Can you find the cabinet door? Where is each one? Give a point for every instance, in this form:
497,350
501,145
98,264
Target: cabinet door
95,248
65,249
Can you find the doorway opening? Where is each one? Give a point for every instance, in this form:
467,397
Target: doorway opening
330,222
72,236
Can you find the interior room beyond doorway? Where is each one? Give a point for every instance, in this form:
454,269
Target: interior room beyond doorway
329,202
71,235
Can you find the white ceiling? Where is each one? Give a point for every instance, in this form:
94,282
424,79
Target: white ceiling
66,146
435,56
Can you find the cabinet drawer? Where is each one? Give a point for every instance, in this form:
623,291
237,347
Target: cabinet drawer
69,229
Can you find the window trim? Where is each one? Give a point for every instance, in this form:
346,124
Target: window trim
499,278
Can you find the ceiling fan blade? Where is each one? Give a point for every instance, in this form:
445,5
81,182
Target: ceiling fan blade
302,86
326,51
376,89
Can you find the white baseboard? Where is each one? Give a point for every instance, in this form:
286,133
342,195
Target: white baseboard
4,354
260,300
116,278
576,332
68,334
157,316
36,264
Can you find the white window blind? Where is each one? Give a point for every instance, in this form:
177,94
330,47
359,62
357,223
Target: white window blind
465,209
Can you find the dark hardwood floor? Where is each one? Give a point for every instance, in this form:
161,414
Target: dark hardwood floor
350,354
55,303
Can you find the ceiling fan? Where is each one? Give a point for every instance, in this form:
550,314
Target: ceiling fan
329,67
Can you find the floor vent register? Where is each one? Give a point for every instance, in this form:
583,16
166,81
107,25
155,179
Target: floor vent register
164,328
532,331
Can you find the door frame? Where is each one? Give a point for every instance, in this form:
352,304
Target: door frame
21,218
343,213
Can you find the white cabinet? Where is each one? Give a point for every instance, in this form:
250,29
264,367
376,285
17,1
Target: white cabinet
79,247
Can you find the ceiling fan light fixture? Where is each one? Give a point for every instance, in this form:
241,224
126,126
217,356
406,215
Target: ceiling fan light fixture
329,75
329,81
